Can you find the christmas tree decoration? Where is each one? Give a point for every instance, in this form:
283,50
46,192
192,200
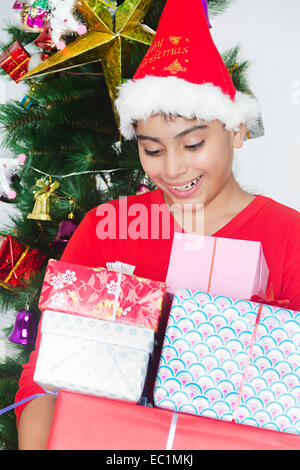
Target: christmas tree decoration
25,328
45,42
34,15
111,6
15,61
106,40
43,191
18,5
8,168
144,187
43,4
18,262
205,8
26,102
66,229
237,70
63,20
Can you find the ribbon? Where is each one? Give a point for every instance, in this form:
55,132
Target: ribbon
172,430
117,293
212,264
15,266
249,355
17,263
270,300
25,400
262,300
20,65
47,189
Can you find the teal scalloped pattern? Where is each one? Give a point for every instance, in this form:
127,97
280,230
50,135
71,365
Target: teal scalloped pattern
203,357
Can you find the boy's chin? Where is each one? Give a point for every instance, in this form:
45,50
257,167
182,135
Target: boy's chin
192,202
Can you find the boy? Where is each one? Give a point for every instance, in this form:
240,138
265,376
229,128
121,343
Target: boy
188,119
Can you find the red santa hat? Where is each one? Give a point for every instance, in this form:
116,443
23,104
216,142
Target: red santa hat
183,74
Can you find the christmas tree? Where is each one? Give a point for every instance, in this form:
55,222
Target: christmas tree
64,153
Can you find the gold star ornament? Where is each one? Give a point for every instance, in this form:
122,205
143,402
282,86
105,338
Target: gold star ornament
107,40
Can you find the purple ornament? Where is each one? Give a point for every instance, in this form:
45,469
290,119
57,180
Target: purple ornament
25,328
205,7
144,188
65,230
37,21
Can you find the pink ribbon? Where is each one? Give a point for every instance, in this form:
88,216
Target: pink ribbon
270,300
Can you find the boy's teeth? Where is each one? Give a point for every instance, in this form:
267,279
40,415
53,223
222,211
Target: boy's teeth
187,186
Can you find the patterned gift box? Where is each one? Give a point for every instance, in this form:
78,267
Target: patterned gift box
15,61
94,357
219,361
102,294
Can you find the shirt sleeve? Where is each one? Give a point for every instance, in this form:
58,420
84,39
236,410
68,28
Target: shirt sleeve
83,248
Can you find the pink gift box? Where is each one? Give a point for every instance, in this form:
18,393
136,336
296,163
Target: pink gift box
221,266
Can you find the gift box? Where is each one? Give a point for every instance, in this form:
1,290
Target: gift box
92,423
102,294
92,356
231,360
222,266
18,262
15,61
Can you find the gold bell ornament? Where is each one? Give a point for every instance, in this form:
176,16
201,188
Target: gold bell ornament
43,191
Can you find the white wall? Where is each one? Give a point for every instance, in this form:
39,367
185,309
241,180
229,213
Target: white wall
268,32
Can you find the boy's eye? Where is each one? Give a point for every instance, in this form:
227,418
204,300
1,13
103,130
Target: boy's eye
152,152
195,146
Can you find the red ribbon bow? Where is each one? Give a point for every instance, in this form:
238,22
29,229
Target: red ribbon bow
269,298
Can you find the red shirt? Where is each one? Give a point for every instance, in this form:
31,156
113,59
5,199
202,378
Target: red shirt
275,225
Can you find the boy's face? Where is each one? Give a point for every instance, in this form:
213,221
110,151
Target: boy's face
189,160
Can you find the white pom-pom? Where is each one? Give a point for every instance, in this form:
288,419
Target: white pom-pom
62,20
8,167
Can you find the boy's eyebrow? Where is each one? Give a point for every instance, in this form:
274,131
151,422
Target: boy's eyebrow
191,129
178,136
145,137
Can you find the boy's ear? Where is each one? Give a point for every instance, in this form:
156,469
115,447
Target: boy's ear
239,136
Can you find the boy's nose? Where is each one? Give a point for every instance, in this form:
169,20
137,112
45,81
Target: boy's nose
175,165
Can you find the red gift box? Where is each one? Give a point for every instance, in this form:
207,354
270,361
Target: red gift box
102,294
15,61
83,422
17,262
